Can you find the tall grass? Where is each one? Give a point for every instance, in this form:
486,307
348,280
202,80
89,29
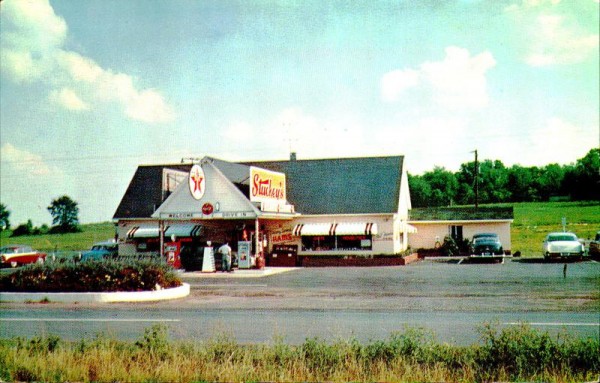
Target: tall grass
414,355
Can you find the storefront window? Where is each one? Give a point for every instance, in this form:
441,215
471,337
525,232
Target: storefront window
336,243
354,242
318,242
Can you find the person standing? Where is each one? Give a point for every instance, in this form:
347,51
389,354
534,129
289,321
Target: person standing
225,251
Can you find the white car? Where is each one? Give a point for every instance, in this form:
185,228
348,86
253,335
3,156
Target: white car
562,245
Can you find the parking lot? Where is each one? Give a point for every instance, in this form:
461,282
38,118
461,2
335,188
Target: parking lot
448,298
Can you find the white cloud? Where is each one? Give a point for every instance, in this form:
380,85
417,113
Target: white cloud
31,32
559,141
32,50
553,33
456,82
292,129
238,131
556,44
394,83
69,99
23,162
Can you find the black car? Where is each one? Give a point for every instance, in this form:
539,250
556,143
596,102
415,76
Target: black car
486,244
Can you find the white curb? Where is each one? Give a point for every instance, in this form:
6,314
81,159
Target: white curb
133,296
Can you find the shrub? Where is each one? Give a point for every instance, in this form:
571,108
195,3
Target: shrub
449,247
91,276
522,351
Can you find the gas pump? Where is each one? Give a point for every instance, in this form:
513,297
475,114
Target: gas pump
172,251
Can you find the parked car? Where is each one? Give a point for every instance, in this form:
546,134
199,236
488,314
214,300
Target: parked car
594,248
17,255
100,251
486,244
562,245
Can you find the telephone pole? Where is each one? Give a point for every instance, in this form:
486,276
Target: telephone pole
476,181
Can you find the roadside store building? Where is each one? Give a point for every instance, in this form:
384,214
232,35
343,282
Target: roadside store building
288,210
352,206
460,223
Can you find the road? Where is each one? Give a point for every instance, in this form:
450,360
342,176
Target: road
450,299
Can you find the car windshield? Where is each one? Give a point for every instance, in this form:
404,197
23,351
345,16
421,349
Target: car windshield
485,240
8,250
485,235
561,237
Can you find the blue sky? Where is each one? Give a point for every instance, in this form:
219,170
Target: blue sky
90,89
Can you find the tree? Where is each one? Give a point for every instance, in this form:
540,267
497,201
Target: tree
420,191
443,186
583,180
521,184
23,229
493,181
64,213
4,218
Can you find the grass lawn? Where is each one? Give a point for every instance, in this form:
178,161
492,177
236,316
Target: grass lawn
91,233
533,220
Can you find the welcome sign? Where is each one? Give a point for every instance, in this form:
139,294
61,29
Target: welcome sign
266,185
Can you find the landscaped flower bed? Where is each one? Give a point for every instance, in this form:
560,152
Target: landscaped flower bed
105,276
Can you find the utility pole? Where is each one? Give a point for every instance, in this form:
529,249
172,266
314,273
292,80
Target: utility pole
476,181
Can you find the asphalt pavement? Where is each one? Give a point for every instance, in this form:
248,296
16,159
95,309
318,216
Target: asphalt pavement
452,300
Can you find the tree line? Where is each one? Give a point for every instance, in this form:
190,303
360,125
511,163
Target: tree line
65,218
498,183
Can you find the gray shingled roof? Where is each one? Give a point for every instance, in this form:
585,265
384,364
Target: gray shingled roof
326,186
341,186
461,213
144,193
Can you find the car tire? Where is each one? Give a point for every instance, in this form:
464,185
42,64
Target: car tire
40,260
14,264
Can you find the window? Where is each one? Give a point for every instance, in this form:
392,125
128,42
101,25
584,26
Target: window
318,242
336,243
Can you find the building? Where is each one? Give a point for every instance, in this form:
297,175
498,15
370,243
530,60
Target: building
460,223
293,209
352,206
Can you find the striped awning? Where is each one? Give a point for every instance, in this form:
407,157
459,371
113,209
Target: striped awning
151,231
143,231
313,229
355,228
406,228
183,230
351,228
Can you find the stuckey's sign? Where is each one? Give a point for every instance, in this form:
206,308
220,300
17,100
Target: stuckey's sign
266,185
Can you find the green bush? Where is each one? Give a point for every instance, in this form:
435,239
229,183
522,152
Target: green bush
522,352
91,276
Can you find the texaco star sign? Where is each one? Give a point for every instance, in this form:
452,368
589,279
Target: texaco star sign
197,182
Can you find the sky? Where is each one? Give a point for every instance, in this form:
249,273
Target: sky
91,89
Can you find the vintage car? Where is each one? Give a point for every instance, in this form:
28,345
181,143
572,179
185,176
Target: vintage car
486,244
562,245
594,249
17,255
100,251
